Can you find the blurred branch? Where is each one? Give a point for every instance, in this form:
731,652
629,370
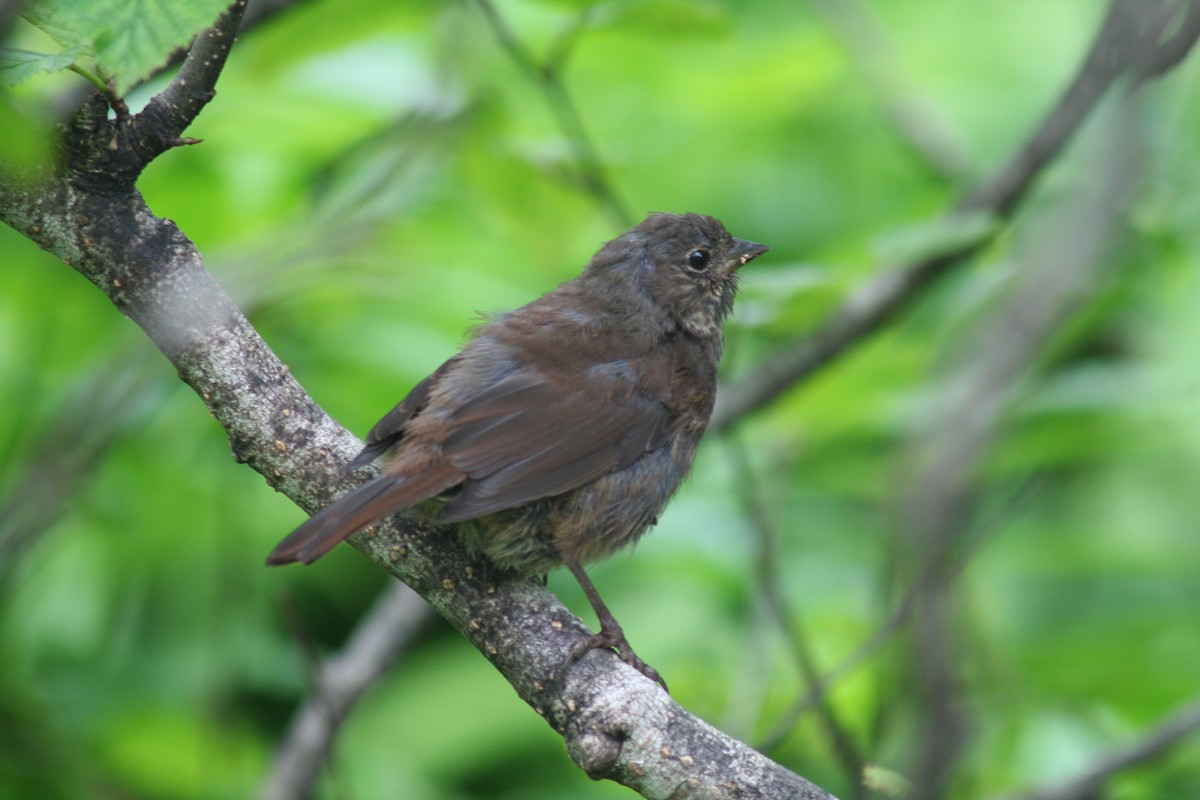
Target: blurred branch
1178,725
378,640
1129,39
921,126
66,454
1061,268
1169,53
770,589
1056,278
895,621
86,209
564,45
593,176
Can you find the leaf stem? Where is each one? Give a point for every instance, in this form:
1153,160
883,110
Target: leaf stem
91,77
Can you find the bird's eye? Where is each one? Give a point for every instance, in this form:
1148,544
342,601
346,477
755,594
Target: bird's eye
698,259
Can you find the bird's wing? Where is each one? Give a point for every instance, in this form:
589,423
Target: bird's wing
389,430
531,436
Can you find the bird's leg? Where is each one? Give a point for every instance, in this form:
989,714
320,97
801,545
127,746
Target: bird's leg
610,635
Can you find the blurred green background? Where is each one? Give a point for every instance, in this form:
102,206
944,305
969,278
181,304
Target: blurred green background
374,174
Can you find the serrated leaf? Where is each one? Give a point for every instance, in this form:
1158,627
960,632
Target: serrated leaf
17,65
129,38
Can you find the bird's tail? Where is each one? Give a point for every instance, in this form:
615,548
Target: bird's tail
359,508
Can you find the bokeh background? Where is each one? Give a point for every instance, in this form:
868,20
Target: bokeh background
373,175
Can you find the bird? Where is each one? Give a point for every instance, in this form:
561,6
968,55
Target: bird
557,435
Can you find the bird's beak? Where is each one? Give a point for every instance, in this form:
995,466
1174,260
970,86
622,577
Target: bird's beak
743,252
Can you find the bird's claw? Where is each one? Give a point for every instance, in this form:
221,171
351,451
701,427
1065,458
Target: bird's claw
613,638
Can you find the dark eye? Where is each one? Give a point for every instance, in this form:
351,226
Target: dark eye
698,259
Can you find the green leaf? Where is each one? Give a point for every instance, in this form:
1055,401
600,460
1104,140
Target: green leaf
129,38
17,65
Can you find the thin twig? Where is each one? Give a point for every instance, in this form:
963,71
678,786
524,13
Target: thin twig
953,565
168,114
593,175
784,617
257,11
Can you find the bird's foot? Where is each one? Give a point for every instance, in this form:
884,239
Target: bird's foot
611,637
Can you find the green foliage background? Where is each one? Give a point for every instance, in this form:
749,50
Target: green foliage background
373,174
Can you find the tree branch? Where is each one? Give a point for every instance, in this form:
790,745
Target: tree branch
170,112
592,175
1178,725
378,639
771,590
1061,269
616,723
1126,42
898,617
132,142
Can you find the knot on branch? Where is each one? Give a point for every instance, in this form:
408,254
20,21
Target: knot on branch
618,731
597,749
105,155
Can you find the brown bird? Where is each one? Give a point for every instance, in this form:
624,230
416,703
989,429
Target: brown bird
561,430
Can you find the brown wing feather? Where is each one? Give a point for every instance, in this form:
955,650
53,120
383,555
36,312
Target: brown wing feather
531,436
389,430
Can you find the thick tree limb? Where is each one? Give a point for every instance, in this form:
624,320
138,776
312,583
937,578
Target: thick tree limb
616,724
